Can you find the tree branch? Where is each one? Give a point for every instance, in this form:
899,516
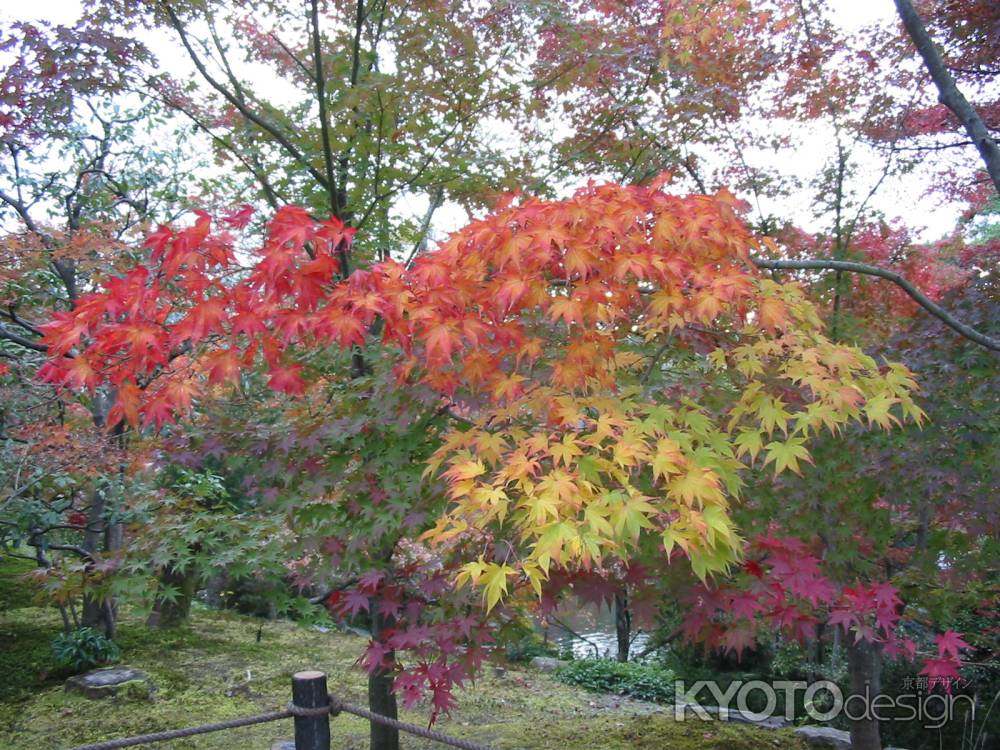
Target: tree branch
919,297
267,127
21,341
948,92
324,125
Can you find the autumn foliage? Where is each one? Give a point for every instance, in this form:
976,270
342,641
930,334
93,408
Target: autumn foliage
546,324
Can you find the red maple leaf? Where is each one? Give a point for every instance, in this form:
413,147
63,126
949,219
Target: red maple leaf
287,380
239,217
950,643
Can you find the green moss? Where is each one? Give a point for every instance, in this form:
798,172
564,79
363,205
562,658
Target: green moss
16,589
218,669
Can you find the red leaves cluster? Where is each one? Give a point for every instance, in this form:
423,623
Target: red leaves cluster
550,286
159,331
783,588
443,651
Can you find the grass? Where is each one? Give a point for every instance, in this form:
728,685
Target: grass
217,669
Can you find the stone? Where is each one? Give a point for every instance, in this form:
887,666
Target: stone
107,682
684,710
757,720
283,745
825,737
547,663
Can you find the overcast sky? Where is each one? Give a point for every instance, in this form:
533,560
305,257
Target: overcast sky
904,196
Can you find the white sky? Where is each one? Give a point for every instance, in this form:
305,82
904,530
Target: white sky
905,196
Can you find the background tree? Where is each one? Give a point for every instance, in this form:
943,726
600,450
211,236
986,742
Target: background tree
77,185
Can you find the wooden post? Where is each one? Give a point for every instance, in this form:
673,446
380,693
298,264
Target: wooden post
309,691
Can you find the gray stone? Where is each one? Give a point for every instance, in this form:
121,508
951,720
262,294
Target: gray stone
112,681
684,710
547,663
283,745
825,737
757,720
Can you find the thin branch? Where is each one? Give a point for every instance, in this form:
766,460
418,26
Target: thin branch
11,314
256,119
919,297
324,126
948,92
655,360
21,341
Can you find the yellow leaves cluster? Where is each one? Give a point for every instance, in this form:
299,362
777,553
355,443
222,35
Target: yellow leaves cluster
609,470
560,317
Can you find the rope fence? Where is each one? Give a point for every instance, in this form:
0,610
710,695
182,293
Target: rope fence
311,707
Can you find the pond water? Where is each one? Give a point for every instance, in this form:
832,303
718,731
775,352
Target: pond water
588,631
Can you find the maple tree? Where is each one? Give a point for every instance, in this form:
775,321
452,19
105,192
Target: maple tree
589,383
549,329
77,186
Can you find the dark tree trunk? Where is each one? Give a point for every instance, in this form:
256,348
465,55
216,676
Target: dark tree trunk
623,624
864,664
381,699
97,613
214,588
169,613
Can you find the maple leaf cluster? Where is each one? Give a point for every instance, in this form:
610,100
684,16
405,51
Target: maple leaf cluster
781,587
543,322
445,647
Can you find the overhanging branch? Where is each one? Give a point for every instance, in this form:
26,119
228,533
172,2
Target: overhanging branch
919,297
948,91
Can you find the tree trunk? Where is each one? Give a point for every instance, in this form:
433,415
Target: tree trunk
864,663
381,699
169,613
623,624
98,614
214,588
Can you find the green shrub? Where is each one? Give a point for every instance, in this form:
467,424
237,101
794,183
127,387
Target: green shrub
527,648
83,649
641,681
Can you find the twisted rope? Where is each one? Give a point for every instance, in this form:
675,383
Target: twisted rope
175,734
336,706
428,734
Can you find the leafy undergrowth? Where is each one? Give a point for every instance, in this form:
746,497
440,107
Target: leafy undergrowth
641,681
217,669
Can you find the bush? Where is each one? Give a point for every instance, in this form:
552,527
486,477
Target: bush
84,649
641,681
527,648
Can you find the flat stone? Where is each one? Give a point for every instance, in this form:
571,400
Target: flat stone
112,681
757,720
547,663
826,737
283,745
684,710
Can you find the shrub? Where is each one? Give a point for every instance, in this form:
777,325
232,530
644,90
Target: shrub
83,649
527,648
641,681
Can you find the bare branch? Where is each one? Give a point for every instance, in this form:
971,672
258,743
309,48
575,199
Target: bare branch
21,341
948,92
919,297
324,125
253,117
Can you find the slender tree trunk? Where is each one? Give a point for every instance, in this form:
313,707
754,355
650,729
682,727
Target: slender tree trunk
381,699
169,613
864,663
623,624
214,588
948,92
97,614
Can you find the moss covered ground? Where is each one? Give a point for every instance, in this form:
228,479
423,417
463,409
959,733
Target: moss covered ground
218,669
